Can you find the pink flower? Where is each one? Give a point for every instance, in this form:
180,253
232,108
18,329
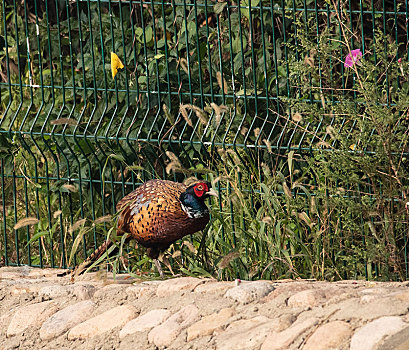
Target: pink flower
399,60
353,57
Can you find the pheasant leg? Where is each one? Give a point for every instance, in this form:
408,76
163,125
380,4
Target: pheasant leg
159,268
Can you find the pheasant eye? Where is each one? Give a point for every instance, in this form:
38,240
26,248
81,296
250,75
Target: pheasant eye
199,191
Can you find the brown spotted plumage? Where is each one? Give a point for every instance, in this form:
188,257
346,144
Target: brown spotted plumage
158,213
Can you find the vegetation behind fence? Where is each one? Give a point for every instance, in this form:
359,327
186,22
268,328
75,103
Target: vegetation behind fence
297,111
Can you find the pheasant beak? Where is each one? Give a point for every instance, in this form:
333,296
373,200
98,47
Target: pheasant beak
212,192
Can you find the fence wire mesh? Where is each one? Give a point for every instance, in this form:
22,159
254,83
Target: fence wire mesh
208,89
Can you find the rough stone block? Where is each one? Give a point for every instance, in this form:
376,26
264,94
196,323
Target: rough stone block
329,336
282,340
247,292
175,285
30,315
367,337
244,334
307,298
145,322
208,324
167,332
107,321
65,319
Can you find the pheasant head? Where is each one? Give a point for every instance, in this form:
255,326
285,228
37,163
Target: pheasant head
192,200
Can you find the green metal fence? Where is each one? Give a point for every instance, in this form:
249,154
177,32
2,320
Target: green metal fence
208,89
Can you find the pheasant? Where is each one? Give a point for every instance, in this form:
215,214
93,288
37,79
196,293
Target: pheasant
156,214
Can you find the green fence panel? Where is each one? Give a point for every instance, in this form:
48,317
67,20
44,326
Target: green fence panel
212,90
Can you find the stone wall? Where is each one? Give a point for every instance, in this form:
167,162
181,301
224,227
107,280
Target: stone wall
39,310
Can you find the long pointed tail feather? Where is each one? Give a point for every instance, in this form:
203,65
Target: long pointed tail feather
94,258
105,250
108,248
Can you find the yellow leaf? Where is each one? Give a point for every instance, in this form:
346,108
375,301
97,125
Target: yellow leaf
352,147
116,64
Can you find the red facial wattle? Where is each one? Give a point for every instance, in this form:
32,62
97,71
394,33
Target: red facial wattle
200,189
